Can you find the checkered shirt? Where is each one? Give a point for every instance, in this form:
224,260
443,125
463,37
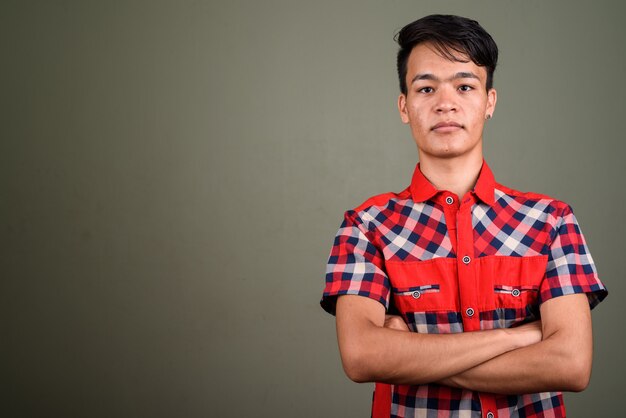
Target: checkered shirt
446,266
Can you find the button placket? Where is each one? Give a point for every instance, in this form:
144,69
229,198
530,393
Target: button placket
466,270
450,211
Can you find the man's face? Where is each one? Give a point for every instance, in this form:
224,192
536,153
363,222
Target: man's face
446,104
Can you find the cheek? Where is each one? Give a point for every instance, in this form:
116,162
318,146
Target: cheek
418,119
418,128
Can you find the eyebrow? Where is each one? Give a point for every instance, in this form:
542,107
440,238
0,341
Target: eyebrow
429,76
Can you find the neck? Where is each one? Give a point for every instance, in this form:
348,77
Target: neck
457,175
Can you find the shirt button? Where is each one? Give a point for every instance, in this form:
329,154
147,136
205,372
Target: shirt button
416,294
490,414
449,200
467,259
469,312
515,292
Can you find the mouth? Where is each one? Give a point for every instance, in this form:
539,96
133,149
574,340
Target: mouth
449,126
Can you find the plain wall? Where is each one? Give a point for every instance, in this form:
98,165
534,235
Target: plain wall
172,175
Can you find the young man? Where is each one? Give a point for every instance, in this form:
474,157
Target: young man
495,285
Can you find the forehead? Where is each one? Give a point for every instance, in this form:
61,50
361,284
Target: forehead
426,59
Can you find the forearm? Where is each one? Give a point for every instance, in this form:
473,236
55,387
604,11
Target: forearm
560,362
546,366
410,358
371,352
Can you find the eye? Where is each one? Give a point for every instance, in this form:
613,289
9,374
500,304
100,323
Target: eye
465,87
425,90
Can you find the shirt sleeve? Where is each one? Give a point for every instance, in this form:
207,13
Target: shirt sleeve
355,266
570,268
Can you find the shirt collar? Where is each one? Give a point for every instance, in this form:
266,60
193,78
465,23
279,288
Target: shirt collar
422,189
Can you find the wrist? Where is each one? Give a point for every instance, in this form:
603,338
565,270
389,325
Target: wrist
514,337
524,335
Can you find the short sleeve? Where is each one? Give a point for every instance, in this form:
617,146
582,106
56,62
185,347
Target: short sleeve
570,268
355,266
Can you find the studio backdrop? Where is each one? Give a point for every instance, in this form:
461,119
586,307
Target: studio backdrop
172,174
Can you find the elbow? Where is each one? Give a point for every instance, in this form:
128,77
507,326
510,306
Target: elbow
356,375
356,366
579,379
569,363
577,385
360,361
358,355
578,374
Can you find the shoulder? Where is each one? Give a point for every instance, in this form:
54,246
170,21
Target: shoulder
506,196
379,209
379,202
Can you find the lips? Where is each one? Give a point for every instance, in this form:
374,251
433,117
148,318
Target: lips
447,126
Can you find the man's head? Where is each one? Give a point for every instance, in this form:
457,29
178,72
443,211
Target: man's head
446,66
455,38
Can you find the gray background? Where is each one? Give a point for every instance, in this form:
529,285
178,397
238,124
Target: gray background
172,175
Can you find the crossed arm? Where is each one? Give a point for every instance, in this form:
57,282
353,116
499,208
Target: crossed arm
552,355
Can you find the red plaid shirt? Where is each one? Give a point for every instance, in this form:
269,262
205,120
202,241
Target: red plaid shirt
448,266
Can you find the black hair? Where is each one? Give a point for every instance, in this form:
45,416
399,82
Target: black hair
448,34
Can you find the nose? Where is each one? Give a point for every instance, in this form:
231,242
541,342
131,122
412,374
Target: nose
446,101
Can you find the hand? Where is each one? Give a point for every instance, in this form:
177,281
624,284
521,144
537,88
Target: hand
395,322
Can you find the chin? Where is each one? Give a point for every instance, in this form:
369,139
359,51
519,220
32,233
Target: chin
450,149
447,153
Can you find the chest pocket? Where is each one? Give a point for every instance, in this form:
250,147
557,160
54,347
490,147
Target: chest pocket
511,282
509,289
423,286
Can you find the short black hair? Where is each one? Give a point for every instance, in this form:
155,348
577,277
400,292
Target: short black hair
449,34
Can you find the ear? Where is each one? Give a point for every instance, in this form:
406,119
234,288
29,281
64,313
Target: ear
404,114
492,98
